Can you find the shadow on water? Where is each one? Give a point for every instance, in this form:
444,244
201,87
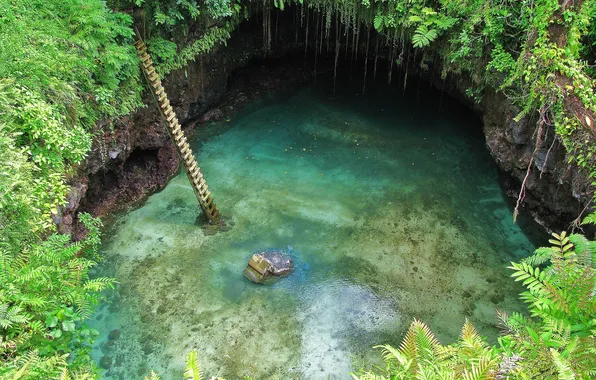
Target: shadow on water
392,206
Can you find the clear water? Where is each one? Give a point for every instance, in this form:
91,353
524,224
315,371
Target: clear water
391,205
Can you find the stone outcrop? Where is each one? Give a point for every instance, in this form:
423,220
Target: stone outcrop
268,266
556,191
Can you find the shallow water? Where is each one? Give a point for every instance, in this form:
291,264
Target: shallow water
391,207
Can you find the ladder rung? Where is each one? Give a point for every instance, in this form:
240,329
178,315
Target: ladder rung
184,147
193,169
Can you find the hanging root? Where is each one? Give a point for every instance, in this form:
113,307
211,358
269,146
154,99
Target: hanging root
577,222
376,57
366,61
522,193
337,46
548,155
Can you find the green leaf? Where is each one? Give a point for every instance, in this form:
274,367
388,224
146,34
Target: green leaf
51,321
57,333
68,326
378,22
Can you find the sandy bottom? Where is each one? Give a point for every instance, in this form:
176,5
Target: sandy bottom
392,209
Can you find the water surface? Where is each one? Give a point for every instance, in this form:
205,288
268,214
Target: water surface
389,203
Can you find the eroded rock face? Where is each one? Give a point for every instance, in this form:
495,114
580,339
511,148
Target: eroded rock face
556,191
138,158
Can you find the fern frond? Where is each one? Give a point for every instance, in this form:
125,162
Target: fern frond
193,371
152,376
563,367
419,344
540,256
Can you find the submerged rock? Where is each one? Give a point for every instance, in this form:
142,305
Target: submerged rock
114,334
105,362
268,266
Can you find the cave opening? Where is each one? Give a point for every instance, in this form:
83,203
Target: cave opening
389,204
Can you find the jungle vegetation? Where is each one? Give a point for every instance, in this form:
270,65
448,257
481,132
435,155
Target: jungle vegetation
68,69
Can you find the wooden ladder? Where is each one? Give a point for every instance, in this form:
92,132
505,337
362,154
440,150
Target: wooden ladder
193,171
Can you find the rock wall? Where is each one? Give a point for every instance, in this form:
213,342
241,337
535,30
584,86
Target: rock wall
556,191
138,158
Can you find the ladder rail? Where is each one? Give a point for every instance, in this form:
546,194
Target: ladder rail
191,166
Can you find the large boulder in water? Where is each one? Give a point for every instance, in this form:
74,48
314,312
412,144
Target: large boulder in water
268,266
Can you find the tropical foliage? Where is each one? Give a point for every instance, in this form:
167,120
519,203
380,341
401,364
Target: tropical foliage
192,370
64,65
67,65
46,295
557,340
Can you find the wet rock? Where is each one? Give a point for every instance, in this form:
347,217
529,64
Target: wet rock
105,362
107,347
114,334
148,348
268,266
143,369
212,115
119,360
209,230
115,152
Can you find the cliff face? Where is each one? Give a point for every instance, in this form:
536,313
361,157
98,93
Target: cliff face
138,158
556,191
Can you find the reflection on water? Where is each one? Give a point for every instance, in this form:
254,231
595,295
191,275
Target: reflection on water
392,208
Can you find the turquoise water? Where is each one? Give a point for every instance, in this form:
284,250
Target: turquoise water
392,210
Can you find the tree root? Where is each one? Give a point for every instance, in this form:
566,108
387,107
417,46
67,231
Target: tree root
522,193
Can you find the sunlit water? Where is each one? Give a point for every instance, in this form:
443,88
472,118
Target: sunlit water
392,210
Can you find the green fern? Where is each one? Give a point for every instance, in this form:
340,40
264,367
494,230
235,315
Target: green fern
152,376
193,371
423,36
